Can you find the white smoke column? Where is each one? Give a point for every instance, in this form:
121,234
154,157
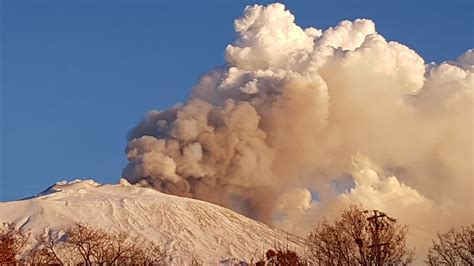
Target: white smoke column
300,111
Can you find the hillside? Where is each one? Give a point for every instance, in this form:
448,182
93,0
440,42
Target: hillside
185,227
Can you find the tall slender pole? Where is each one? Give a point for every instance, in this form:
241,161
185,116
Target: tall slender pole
374,221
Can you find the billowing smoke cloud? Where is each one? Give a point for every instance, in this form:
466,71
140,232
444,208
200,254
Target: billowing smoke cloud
302,121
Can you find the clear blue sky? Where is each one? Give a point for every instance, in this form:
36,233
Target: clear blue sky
76,76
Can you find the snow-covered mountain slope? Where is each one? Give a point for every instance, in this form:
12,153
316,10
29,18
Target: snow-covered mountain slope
184,227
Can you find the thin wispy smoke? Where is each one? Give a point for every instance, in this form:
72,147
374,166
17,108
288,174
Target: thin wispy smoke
302,112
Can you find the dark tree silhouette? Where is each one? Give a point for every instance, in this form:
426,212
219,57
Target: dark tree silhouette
92,246
454,247
12,242
360,237
281,257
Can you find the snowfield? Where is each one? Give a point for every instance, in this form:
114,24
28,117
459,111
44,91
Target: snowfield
184,227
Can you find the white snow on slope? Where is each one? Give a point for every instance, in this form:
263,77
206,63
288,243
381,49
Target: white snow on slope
185,227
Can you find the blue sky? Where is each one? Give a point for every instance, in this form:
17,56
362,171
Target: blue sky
76,76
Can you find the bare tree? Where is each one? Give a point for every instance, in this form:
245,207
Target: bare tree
111,247
91,246
281,257
455,247
50,249
41,256
360,237
12,242
142,252
85,240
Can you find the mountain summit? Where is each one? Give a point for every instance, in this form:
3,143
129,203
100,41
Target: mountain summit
185,228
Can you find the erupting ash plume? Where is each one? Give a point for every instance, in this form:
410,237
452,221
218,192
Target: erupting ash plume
342,114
